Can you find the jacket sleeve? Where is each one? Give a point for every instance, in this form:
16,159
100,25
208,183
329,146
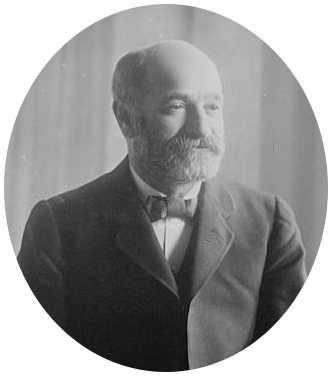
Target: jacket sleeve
284,272
41,261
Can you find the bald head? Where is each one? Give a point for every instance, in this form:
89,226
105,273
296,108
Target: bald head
174,62
158,66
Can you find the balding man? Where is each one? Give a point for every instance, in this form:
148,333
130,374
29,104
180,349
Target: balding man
161,264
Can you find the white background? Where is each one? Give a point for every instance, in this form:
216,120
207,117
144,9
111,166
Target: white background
31,32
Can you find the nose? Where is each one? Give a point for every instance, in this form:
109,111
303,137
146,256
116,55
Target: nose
196,123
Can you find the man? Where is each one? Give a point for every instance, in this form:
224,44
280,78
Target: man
162,265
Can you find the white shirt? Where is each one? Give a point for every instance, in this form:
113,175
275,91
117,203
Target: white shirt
178,230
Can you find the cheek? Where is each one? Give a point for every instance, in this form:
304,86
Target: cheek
217,127
169,126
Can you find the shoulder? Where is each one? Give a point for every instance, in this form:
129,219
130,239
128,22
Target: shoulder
245,193
249,201
86,201
94,193
85,194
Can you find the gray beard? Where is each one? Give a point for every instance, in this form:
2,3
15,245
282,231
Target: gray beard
178,164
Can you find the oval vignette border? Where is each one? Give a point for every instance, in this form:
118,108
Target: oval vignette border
220,366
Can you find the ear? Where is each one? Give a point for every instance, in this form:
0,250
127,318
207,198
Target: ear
125,119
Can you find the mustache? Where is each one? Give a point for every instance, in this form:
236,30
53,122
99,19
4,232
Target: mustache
184,144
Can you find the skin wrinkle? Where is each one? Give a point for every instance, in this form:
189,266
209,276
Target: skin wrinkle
176,136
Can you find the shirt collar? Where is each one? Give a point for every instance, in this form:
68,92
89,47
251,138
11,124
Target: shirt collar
146,190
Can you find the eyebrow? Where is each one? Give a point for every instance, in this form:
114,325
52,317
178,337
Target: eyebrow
186,97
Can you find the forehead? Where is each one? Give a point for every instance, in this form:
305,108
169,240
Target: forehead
187,72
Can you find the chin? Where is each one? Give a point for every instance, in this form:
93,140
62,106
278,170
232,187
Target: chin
181,168
201,167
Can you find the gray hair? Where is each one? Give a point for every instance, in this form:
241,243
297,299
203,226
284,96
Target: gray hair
129,85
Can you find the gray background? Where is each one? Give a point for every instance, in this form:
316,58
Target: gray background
65,133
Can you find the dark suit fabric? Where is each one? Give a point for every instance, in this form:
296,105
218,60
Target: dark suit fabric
93,261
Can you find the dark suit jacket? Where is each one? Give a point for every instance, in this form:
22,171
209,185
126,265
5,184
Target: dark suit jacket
93,261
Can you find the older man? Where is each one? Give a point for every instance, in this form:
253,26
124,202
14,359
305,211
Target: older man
160,265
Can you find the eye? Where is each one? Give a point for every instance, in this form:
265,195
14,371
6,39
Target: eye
174,107
212,107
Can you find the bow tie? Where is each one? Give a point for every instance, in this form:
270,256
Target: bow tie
172,206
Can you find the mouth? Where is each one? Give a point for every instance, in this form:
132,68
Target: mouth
196,149
203,148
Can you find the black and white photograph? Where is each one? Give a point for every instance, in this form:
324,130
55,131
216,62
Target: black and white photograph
165,189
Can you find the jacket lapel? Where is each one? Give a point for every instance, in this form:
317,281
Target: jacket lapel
138,241
214,237
135,236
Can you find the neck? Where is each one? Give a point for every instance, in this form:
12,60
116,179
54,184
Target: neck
163,184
